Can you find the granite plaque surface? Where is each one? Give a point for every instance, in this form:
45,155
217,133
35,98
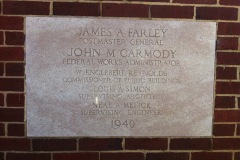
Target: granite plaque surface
119,77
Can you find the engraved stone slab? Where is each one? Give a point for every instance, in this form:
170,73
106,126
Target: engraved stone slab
119,77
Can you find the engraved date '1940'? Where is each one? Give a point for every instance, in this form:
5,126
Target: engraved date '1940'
125,123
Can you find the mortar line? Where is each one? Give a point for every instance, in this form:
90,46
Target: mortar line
235,131
6,129
168,144
140,2
239,37
100,5
136,151
237,101
51,8
144,155
227,65
149,12
4,70
77,144
5,99
24,50
224,109
227,80
4,38
195,13
228,50
238,13
51,155
225,123
123,143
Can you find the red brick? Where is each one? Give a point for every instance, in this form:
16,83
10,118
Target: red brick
76,9
225,28
228,88
15,69
14,38
211,156
1,38
124,10
223,129
2,129
190,144
11,115
54,144
146,143
238,129
11,84
1,99
224,102
196,1
15,100
76,156
227,43
227,116
26,8
15,129
226,143
121,156
226,73
165,11
230,2
14,144
11,23
28,156
228,58
237,156
167,156
11,54
101,144
216,13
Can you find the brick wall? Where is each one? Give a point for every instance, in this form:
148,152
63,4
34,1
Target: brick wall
223,145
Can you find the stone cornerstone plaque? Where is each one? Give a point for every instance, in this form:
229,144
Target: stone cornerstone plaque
119,77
